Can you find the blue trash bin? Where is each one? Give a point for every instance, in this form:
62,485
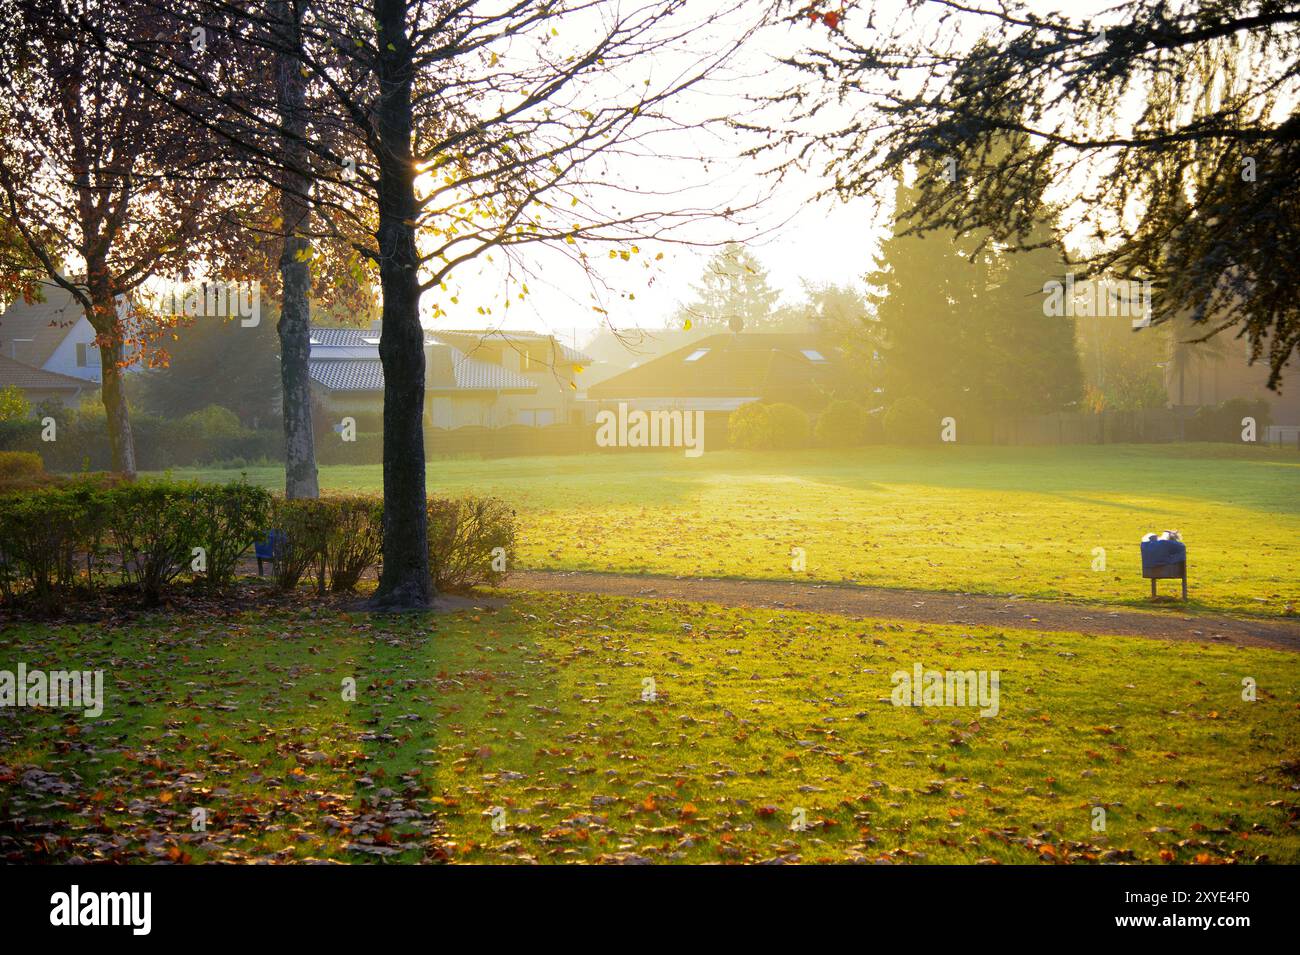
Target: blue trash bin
1164,560
1157,552
270,549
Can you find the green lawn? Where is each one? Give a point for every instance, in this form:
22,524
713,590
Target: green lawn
992,520
537,708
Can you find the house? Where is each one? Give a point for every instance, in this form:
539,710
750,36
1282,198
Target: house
40,386
614,351
53,336
719,373
483,378
552,368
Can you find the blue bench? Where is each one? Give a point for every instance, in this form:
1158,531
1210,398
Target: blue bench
270,549
1164,560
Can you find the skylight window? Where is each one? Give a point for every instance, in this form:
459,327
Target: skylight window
813,354
697,354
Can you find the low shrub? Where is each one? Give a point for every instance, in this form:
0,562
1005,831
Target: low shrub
1222,422
841,424
368,448
789,426
355,538
43,536
227,518
305,526
464,535
20,470
763,427
145,535
749,427
20,464
153,527
910,420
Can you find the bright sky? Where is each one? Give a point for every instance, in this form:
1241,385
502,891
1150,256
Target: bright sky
794,236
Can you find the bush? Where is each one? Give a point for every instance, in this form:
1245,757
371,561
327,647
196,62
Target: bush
211,434
356,536
463,534
211,422
750,427
368,448
790,426
305,524
873,430
150,530
21,469
841,424
1222,422
910,420
41,535
761,427
154,525
227,519
14,405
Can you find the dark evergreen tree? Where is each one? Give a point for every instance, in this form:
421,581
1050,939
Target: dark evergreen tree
931,304
1032,363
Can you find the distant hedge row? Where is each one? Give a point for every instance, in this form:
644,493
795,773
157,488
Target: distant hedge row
81,440
63,542
842,423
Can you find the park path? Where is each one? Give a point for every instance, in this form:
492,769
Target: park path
923,606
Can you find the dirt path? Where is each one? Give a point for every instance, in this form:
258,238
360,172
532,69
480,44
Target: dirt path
923,606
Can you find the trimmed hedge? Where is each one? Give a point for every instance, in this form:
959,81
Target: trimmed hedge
1222,422
81,442
60,542
141,534
43,534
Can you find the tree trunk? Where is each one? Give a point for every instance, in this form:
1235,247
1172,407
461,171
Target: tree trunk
405,580
294,328
120,437
103,317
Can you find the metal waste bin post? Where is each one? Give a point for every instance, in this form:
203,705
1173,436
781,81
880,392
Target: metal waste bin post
1164,559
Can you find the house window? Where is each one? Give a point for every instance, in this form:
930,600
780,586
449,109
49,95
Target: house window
83,355
537,417
813,354
697,354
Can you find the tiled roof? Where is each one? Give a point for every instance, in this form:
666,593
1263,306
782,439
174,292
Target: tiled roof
772,365
46,323
25,376
367,374
343,337
468,339
349,374
475,375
